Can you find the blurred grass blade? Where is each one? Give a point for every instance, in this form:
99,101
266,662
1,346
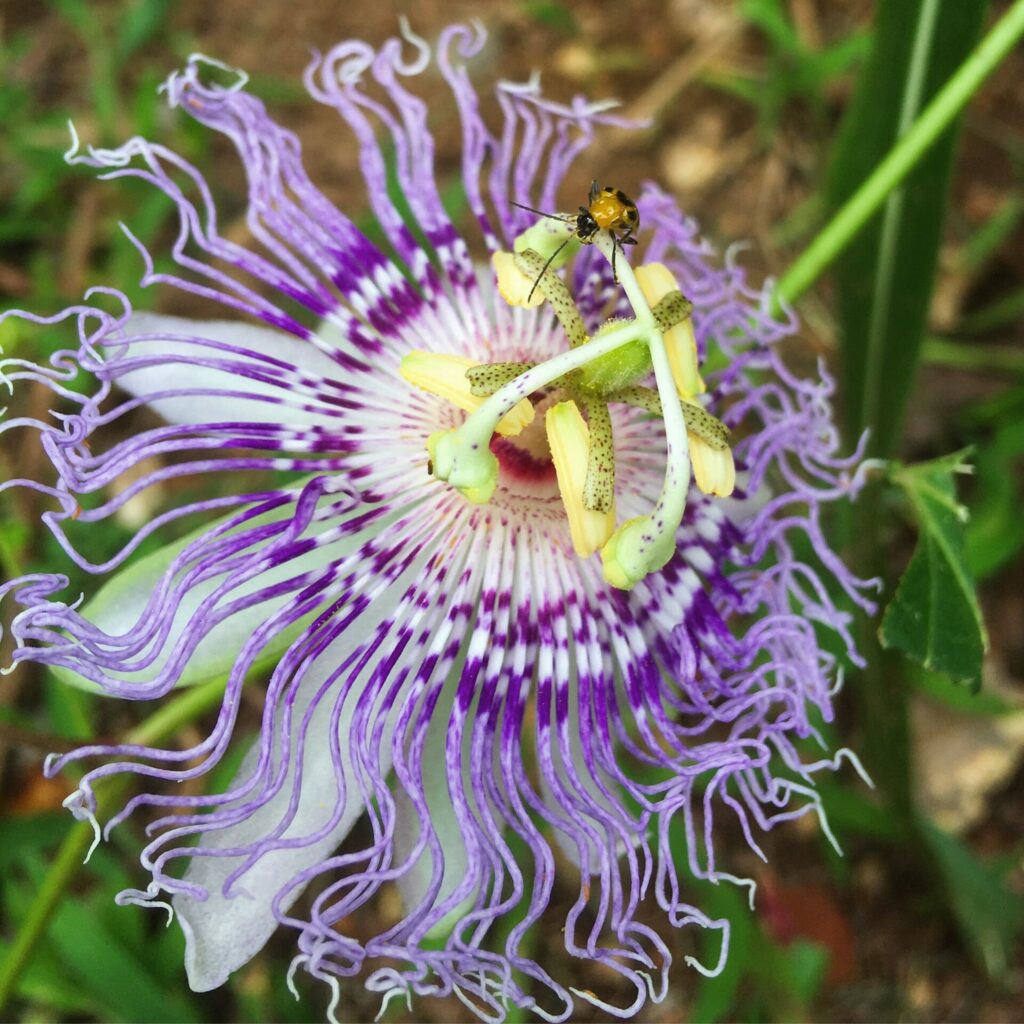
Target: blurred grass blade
139,23
934,617
1001,313
887,275
990,915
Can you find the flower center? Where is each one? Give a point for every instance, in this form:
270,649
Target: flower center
573,432
526,457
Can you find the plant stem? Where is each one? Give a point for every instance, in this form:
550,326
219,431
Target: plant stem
882,688
62,871
902,158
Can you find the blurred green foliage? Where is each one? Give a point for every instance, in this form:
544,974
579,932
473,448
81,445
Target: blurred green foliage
795,71
40,193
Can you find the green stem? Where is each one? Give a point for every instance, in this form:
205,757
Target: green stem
65,866
902,158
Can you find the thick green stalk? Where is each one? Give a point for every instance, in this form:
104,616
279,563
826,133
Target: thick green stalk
902,158
158,727
882,688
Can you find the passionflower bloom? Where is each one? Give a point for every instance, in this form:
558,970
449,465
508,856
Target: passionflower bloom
493,624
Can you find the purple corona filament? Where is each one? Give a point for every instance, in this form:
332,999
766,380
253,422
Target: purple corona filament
451,676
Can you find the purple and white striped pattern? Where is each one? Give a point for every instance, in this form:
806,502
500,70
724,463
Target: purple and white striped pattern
452,676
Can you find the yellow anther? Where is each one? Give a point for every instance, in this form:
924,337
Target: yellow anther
569,440
445,376
713,469
513,285
656,281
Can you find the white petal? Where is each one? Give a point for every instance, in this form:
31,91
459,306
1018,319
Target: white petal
223,933
174,371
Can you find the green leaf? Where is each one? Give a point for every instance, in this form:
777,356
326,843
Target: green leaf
990,916
32,834
934,616
107,970
887,274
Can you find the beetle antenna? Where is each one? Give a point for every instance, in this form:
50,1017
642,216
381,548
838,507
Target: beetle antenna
548,264
541,213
